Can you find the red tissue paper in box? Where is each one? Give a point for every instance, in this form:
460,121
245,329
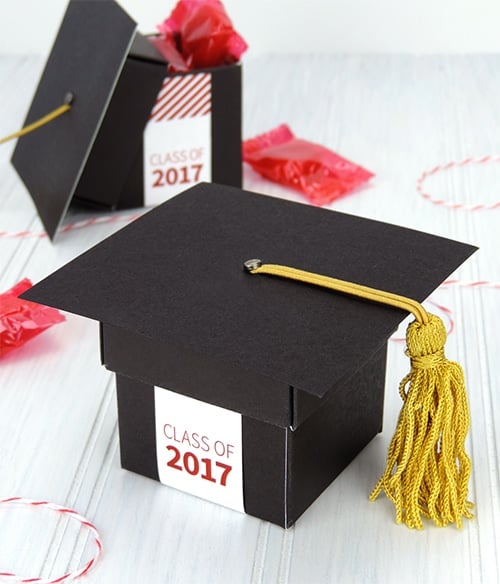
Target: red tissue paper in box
319,173
197,35
21,320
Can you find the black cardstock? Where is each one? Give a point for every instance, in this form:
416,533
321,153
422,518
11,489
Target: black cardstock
304,366
87,58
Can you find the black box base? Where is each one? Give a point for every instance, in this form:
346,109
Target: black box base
284,469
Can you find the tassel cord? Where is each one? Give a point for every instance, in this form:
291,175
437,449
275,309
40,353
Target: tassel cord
350,288
62,109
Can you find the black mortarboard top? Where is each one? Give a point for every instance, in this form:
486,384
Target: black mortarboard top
178,311
87,153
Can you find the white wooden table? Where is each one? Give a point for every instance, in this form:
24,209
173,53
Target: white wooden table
58,425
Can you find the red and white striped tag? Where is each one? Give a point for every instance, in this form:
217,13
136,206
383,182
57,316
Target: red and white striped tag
177,138
184,96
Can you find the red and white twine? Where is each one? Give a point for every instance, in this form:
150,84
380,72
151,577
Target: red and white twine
456,164
106,219
100,220
9,577
471,284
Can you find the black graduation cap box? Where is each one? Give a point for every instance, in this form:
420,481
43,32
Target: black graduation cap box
250,391
134,135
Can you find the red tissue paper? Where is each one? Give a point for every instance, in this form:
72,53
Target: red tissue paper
199,34
21,320
319,173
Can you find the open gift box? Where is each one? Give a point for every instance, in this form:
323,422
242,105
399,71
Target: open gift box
135,135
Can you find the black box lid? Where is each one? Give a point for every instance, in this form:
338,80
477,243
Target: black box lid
86,60
175,276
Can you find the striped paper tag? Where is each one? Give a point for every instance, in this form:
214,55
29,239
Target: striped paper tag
177,138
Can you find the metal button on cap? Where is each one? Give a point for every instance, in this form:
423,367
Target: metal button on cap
251,265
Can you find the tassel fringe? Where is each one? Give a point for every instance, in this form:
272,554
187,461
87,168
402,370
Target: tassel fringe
428,469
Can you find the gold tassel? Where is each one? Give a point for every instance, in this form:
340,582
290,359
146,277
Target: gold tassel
428,470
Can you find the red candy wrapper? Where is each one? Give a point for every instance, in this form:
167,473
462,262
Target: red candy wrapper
21,320
319,173
197,35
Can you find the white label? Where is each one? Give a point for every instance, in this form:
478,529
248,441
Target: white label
177,138
199,448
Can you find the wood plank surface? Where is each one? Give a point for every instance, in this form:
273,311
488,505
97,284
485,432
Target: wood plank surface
396,115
